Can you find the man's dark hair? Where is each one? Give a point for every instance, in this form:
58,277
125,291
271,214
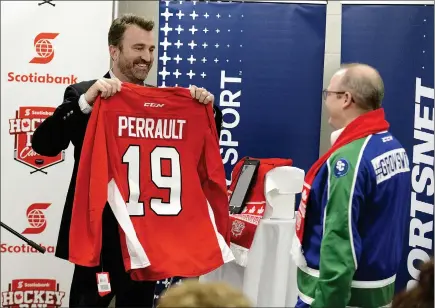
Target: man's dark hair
120,24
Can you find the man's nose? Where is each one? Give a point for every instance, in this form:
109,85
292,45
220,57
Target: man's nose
146,56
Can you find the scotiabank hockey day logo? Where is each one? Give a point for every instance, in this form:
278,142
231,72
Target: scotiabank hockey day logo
23,127
33,293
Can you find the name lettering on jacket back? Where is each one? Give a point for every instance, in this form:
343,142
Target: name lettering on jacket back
389,164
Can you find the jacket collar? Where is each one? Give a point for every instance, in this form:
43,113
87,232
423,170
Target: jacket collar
336,134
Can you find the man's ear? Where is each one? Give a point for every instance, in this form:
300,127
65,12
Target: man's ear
347,99
114,52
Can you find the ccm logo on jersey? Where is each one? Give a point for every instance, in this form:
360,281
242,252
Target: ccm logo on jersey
153,105
386,139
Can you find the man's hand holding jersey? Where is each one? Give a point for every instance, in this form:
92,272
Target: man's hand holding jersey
202,95
106,86
109,86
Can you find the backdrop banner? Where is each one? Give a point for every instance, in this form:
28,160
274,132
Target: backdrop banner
264,64
403,52
45,46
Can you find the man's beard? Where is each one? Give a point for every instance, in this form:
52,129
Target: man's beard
131,70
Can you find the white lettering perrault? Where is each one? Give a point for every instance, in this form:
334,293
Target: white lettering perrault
422,180
227,100
149,128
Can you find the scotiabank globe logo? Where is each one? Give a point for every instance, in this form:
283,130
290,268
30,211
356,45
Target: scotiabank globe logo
37,223
36,218
44,48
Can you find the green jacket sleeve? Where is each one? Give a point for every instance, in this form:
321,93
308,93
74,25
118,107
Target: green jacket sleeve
341,243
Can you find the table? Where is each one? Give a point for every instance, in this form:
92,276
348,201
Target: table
269,279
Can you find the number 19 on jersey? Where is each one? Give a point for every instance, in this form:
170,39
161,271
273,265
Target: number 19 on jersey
132,157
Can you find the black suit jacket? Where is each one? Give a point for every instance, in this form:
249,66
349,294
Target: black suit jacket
68,124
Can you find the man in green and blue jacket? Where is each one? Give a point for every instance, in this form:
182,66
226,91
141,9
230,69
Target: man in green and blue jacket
352,217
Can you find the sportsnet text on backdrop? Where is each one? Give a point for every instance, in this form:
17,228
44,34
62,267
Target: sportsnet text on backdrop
422,180
230,103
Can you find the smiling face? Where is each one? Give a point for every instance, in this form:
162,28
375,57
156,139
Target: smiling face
134,57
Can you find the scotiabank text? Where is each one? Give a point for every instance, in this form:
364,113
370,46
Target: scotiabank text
45,78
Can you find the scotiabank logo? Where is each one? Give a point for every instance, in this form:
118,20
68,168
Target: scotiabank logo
44,54
43,78
36,218
24,248
44,48
37,223
33,293
22,127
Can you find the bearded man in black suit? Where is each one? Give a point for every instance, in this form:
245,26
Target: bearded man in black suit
131,46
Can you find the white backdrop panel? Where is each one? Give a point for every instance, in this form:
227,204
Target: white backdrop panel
43,49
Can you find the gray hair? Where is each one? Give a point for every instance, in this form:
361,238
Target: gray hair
365,84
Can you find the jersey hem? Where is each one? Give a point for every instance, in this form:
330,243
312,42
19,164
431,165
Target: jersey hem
362,293
180,274
139,266
86,264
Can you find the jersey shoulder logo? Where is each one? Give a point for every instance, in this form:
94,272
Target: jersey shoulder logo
341,168
153,105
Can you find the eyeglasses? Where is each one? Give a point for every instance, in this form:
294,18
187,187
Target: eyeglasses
325,93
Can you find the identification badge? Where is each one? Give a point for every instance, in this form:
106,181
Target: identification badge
103,283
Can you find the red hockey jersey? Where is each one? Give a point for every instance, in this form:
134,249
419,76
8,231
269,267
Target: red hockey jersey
153,154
